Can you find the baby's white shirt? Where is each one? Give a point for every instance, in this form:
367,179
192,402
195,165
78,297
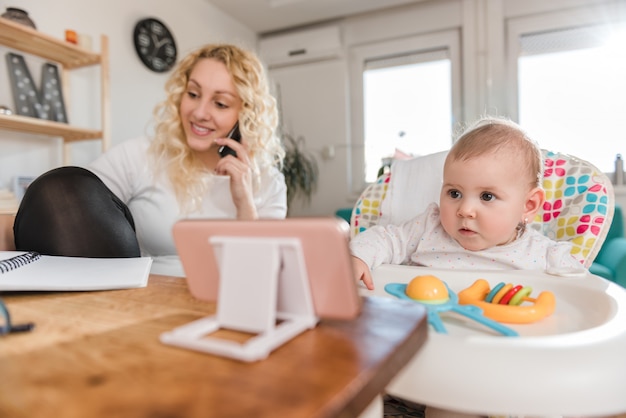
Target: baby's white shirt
423,241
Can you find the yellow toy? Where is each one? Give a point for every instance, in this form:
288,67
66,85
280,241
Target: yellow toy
502,303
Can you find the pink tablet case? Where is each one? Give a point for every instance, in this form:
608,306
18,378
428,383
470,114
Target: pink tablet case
324,243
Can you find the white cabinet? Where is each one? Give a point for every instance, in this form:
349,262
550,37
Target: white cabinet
298,47
308,70
313,99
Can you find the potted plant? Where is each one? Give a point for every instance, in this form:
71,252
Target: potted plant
299,168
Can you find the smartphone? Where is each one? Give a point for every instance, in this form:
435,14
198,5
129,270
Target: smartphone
233,134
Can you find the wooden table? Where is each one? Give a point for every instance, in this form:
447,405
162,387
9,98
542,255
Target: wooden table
95,354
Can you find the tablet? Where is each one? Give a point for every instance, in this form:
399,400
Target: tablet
324,243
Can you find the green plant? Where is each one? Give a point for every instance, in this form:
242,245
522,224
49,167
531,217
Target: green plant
299,168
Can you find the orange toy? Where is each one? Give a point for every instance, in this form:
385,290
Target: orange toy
503,302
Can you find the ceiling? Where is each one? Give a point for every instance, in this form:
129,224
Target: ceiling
264,16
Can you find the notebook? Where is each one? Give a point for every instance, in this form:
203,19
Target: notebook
20,271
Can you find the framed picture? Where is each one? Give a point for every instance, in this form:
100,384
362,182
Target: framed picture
20,184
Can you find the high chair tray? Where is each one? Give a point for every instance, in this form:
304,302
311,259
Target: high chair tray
572,362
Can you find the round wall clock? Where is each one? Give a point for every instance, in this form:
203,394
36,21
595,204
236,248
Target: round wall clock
155,45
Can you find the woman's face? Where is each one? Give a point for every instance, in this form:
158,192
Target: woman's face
210,105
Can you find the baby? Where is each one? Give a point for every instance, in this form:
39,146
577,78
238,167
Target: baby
491,190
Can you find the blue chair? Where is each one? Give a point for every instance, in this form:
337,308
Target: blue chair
344,213
610,262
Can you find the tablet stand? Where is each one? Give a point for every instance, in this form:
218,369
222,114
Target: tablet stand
262,281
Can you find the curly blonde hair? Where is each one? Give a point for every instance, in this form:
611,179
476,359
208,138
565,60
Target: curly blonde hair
258,119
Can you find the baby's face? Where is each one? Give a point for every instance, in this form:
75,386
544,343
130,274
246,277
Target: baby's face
483,200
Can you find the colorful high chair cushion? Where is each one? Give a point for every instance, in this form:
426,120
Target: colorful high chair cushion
579,204
416,182
579,199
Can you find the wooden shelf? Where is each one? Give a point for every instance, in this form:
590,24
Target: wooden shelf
31,41
30,125
68,56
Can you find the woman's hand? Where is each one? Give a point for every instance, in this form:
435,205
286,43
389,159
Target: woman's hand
240,173
362,272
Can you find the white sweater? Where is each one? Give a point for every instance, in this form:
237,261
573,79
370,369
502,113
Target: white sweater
126,170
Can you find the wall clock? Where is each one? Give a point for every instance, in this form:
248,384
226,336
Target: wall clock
155,45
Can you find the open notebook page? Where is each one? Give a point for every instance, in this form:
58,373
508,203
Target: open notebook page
56,273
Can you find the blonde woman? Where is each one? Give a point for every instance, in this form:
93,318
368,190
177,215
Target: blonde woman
127,202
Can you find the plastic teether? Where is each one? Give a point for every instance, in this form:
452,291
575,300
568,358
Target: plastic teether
503,302
437,297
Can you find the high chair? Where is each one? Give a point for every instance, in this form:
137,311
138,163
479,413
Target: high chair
570,363
578,208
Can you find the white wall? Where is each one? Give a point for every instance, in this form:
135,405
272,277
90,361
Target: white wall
134,89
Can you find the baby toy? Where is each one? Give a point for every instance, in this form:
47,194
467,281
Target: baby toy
437,297
502,303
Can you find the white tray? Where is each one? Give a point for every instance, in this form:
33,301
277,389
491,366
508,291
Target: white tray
570,363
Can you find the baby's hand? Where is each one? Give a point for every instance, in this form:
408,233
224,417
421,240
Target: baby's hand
362,272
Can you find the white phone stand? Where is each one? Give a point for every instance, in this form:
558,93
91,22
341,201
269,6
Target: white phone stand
262,281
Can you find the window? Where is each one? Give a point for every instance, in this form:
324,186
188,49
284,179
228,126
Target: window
406,96
407,107
572,90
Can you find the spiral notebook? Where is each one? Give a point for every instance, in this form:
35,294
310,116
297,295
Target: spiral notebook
24,271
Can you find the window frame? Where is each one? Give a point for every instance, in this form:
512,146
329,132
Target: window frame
547,22
359,55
